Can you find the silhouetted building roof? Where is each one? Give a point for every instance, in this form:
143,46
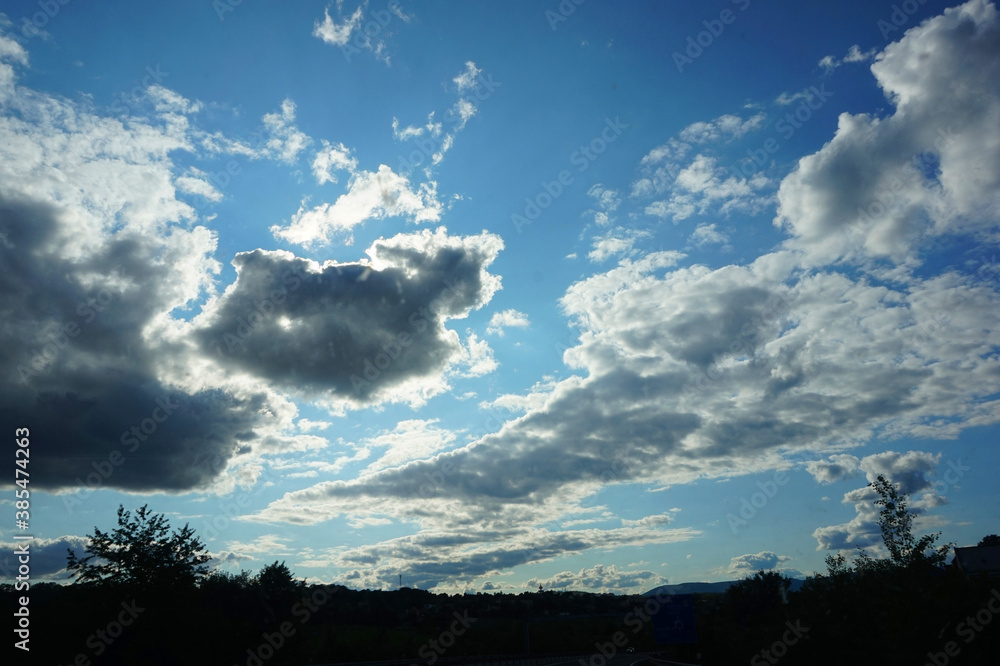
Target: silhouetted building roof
978,561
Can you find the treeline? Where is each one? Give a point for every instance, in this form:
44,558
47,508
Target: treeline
271,618
887,615
144,594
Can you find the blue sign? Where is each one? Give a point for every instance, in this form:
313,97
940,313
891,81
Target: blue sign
673,623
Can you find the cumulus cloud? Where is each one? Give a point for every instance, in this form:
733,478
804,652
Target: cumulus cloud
699,184
882,185
48,557
99,255
601,578
412,439
607,200
83,371
370,195
749,563
459,558
330,159
838,467
726,127
705,186
285,141
910,472
357,332
693,372
618,242
708,234
505,319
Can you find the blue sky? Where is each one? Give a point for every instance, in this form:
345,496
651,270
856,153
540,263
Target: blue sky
575,295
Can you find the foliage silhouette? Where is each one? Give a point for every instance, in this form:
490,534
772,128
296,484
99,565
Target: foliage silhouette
896,522
141,554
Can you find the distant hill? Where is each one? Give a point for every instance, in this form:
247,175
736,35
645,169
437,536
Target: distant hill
706,588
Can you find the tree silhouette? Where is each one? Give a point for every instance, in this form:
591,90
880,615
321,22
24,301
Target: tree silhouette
141,554
896,522
277,581
989,540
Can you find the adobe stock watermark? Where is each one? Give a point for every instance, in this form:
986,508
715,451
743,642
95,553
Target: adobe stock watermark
124,101
230,511
562,12
581,158
956,470
273,641
778,649
32,27
757,501
714,28
794,120
55,341
435,648
899,17
968,629
637,618
930,331
223,7
883,200
777,307
101,640
430,147
379,21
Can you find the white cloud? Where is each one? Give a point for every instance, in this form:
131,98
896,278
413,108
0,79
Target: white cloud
617,242
704,186
707,234
749,563
412,439
883,186
727,127
438,137
331,158
168,101
285,141
509,318
854,54
602,578
477,358
337,35
10,50
468,78
370,195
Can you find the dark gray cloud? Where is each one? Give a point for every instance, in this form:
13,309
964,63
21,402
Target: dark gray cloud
48,557
82,378
836,468
430,559
357,330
